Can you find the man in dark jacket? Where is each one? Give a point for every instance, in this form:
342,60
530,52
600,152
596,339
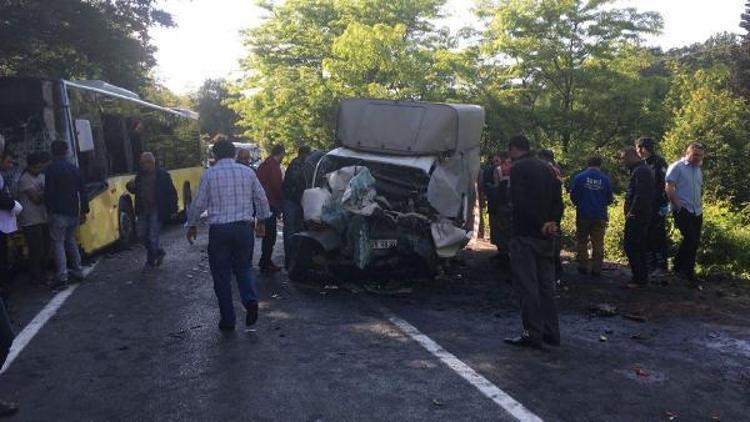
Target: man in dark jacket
536,198
294,186
67,206
656,254
639,200
271,178
155,203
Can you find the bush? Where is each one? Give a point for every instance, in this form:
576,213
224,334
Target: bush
725,240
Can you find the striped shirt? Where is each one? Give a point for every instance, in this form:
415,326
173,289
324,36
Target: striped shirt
230,192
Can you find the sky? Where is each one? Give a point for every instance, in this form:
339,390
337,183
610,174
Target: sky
207,42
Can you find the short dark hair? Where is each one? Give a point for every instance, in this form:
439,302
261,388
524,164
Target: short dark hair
594,162
546,154
223,149
695,145
645,142
37,158
278,149
304,150
520,142
59,148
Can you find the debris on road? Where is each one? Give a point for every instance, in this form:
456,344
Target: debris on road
603,338
603,310
438,402
275,296
671,415
641,372
635,317
331,287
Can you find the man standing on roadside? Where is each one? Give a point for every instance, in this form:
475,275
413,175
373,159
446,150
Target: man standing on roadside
270,176
67,206
233,197
294,186
639,200
33,218
591,193
536,199
684,184
656,254
155,203
548,156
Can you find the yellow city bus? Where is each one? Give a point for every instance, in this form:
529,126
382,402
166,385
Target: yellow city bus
107,127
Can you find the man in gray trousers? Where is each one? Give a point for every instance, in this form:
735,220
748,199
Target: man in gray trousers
536,198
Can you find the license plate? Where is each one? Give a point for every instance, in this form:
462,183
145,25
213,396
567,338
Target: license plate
384,243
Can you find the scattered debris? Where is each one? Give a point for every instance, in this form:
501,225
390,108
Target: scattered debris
129,282
603,310
671,415
608,331
602,338
635,317
641,372
123,348
331,287
438,402
275,296
195,327
639,336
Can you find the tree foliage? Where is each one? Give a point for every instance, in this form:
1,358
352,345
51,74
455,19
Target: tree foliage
210,101
310,53
97,39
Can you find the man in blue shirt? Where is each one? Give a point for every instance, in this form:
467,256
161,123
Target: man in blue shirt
67,206
591,193
684,188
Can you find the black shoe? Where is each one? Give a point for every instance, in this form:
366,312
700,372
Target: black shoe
226,328
159,258
525,341
252,314
8,408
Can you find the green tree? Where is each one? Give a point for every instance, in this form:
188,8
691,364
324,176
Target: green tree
556,50
210,101
98,39
310,53
705,109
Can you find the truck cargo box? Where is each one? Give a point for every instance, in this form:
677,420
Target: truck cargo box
408,128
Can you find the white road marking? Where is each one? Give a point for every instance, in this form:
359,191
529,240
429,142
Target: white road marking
31,329
485,386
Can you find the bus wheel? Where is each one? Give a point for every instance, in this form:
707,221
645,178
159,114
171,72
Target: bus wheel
126,225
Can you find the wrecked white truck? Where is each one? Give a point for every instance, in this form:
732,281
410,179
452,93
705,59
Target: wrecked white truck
395,196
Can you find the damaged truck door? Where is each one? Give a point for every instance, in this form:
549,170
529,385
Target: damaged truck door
397,193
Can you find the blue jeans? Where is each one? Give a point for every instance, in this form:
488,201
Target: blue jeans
62,233
294,222
147,227
230,251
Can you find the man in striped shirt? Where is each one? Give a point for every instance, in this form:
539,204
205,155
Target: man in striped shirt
234,199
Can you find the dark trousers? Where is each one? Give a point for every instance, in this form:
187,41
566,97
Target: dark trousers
4,266
657,243
636,245
6,333
37,239
294,222
533,278
269,240
690,226
230,251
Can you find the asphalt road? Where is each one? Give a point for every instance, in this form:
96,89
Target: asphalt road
135,344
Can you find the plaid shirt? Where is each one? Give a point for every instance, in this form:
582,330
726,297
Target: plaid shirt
230,192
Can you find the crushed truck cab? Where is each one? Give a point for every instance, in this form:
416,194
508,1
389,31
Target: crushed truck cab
395,195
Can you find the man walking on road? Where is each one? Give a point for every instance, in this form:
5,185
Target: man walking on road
294,186
233,197
155,203
67,205
591,193
684,188
270,176
536,199
639,200
656,254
